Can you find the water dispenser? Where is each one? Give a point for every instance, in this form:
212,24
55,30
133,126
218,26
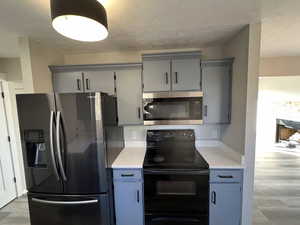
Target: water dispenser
36,149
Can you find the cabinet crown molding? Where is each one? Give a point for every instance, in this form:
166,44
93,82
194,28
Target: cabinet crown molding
89,67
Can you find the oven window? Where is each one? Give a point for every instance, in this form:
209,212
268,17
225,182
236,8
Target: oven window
176,188
173,109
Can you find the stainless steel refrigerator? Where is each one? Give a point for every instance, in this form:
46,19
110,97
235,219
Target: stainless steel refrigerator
69,142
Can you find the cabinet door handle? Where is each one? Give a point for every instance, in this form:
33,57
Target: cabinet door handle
139,112
205,110
225,177
167,78
214,197
176,77
78,84
87,83
138,196
127,175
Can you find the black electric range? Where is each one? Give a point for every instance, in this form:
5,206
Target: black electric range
176,179
173,149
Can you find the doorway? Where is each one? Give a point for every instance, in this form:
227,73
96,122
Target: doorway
277,164
7,178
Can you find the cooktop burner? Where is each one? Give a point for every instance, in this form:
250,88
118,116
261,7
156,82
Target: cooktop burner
172,149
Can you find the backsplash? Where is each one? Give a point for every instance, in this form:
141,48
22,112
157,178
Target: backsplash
202,132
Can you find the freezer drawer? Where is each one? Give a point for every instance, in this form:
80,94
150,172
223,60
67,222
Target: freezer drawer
68,209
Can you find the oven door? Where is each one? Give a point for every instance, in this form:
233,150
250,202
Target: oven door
176,197
172,108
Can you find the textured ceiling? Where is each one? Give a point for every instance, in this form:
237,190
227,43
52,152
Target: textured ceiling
156,24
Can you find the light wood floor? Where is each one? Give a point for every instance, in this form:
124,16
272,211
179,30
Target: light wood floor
277,189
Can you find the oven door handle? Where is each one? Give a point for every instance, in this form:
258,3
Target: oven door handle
177,172
175,219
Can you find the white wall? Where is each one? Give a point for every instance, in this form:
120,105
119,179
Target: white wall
279,97
233,135
132,56
202,132
280,66
241,133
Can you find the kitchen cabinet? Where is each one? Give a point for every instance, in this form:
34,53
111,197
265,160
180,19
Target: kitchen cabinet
83,78
216,87
123,79
156,75
129,96
186,74
99,81
225,197
128,191
171,72
68,82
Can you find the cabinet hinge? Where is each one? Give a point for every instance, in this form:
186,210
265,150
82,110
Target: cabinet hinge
2,94
8,138
15,180
115,77
143,86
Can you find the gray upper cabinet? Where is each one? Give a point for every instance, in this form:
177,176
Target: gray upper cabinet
99,80
216,87
68,82
129,95
186,74
156,75
179,71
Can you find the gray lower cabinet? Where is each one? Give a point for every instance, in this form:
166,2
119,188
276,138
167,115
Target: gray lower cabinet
225,197
186,74
99,80
68,82
216,87
129,96
156,75
128,191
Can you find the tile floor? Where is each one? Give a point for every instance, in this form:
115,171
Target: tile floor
277,189
15,213
277,193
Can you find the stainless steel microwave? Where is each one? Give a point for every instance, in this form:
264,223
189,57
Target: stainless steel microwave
172,108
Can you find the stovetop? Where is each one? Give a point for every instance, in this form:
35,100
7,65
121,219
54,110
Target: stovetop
172,149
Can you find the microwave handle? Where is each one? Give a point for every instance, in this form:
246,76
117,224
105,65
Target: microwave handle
205,110
139,112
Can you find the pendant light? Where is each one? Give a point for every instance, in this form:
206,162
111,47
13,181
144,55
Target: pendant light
82,20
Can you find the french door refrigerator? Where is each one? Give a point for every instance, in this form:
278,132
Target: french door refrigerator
69,142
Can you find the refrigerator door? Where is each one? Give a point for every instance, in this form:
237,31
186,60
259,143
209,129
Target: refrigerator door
37,125
81,146
68,209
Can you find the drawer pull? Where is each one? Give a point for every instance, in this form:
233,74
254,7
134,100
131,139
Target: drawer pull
225,177
127,175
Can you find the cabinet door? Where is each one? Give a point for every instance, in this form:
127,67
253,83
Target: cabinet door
186,74
225,204
129,203
68,82
99,81
216,80
129,95
156,75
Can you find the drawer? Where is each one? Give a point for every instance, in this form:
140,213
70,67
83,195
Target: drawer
226,176
127,174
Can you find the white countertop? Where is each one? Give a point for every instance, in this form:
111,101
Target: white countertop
216,154
220,156
131,157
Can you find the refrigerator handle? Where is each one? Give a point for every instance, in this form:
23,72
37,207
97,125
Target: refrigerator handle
51,146
60,163
92,201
